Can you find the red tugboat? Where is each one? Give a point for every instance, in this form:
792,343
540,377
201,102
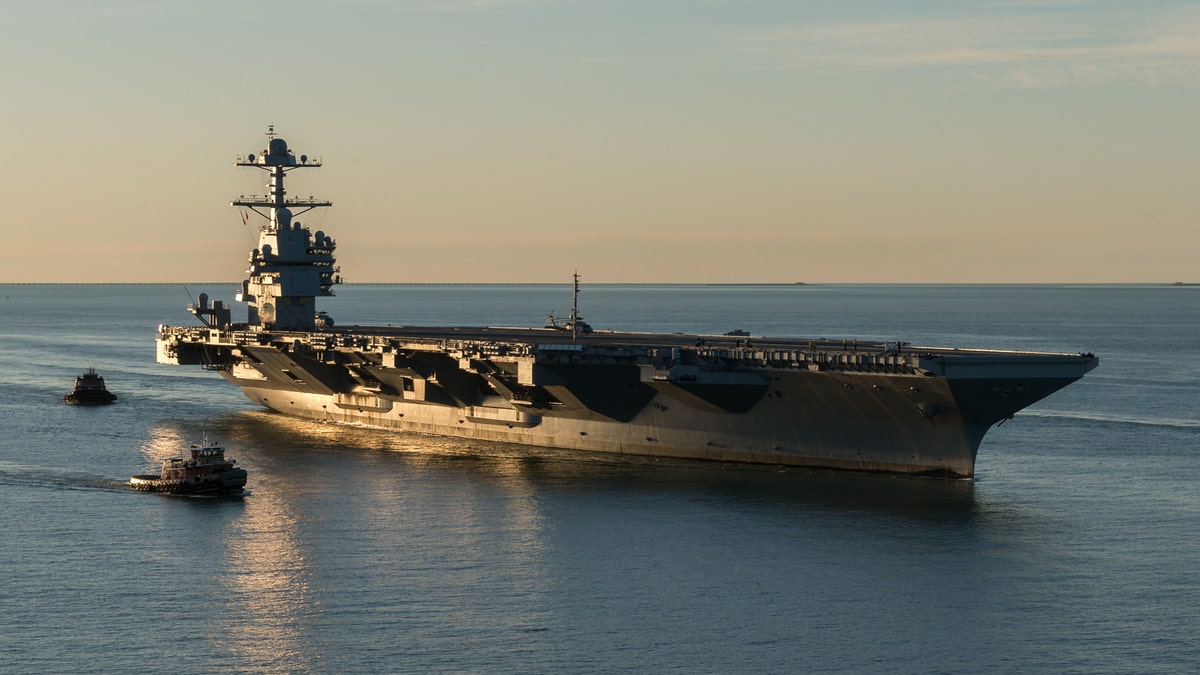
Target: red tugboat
90,390
207,473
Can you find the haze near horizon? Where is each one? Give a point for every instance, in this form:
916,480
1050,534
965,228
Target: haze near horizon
512,141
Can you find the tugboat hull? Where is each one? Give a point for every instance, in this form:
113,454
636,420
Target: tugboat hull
226,484
90,398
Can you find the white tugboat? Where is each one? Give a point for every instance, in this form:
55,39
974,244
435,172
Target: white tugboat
843,404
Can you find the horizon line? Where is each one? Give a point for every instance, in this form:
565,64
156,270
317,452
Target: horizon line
783,284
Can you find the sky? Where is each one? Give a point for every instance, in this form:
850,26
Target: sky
823,141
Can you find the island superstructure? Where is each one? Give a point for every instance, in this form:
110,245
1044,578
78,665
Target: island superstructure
859,405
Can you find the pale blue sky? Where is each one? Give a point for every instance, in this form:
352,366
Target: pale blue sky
662,140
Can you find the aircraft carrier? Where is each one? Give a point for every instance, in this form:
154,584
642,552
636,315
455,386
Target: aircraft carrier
857,405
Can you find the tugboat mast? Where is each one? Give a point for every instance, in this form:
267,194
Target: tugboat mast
291,265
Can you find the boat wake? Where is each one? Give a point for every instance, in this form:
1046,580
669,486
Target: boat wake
1139,420
45,477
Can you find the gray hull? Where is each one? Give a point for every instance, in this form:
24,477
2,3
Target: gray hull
868,407
772,434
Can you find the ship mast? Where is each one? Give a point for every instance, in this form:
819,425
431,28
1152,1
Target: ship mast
575,310
291,265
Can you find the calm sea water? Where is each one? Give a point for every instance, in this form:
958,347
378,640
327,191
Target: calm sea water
1077,548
